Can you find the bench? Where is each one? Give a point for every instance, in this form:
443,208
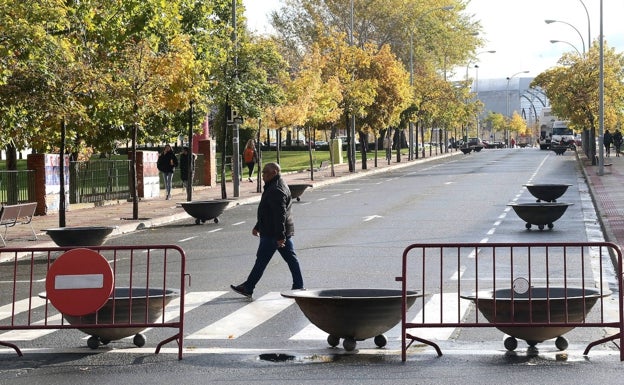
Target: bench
11,215
323,167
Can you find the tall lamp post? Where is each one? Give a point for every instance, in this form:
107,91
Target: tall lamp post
601,99
411,124
588,25
351,129
568,43
508,112
566,23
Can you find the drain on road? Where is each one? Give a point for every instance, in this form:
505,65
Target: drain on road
276,357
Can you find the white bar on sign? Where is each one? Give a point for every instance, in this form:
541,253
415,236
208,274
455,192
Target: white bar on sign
82,281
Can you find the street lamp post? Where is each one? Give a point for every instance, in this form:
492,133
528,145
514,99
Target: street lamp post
477,97
577,31
508,112
568,43
601,98
588,26
410,153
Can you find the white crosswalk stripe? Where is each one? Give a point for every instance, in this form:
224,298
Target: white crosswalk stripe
431,314
244,319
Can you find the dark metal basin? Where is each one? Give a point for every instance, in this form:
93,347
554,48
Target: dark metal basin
540,214
466,150
548,192
352,313
205,210
296,190
537,305
80,236
559,150
136,307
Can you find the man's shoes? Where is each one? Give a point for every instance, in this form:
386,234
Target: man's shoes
240,289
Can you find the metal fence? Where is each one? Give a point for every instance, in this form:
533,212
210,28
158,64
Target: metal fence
121,292
99,180
529,291
17,186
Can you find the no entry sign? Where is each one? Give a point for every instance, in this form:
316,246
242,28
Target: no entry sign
79,282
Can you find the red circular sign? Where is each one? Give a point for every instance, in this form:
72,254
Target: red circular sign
79,282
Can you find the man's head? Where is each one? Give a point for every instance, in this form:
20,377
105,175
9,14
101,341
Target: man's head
270,170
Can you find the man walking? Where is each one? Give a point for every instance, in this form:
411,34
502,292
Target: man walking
275,228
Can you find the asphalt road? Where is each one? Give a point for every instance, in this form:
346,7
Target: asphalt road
350,234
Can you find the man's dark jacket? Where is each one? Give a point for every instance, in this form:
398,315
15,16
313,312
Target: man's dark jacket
274,218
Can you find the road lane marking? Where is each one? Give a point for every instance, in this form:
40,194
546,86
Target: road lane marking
26,335
245,319
431,314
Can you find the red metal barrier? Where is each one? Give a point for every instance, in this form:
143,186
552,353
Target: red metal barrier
146,279
530,291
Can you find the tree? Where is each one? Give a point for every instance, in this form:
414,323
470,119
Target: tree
392,96
496,121
31,50
573,85
517,124
300,23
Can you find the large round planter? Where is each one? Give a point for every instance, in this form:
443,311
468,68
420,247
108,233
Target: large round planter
80,236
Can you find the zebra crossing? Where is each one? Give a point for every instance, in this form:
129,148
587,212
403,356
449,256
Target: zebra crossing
232,326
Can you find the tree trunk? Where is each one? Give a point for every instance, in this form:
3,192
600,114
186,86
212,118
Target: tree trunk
11,157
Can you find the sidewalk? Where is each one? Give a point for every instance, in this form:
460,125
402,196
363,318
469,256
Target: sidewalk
607,193
158,211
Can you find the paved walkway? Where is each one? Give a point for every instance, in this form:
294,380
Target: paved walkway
608,194
606,190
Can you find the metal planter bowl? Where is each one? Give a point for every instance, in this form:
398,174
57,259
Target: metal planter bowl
540,214
203,211
547,192
537,305
80,236
296,190
352,314
138,306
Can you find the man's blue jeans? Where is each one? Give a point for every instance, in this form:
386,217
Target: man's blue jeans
266,249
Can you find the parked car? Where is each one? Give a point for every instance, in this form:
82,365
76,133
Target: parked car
475,143
495,144
321,145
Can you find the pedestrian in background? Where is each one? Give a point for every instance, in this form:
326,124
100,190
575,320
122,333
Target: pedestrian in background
387,144
167,162
250,156
187,159
617,142
275,228
607,139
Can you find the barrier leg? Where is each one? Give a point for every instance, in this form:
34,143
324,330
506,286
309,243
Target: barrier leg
10,345
601,341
